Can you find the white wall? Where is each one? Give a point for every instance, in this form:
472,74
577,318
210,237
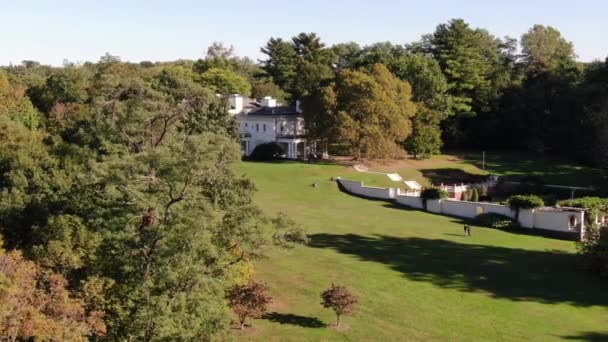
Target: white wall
472,209
549,218
433,206
360,189
557,220
410,201
526,218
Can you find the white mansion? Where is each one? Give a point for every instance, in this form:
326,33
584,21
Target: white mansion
265,121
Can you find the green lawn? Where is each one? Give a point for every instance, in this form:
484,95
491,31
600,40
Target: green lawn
417,277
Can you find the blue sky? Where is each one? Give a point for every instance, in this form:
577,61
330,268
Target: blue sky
53,30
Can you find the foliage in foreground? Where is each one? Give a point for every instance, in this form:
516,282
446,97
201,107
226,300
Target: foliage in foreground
127,193
593,249
35,303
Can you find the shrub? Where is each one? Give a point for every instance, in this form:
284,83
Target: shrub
591,203
494,220
474,195
340,149
518,202
267,151
593,249
524,202
433,194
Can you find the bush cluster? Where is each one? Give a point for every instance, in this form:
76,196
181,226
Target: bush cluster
266,152
433,194
494,220
593,249
517,202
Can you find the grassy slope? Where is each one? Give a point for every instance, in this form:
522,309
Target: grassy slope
417,277
465,166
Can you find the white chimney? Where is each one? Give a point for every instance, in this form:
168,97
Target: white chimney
236,103
268,101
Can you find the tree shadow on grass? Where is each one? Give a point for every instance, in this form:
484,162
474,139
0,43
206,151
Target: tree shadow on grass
588,336
515,274
302,321
449,176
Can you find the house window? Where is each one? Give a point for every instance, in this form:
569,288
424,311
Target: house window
264,127
246,124
257,127
282,127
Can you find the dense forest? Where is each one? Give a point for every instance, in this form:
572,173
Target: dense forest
121,216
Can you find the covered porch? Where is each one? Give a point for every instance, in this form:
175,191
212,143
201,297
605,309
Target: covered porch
294,148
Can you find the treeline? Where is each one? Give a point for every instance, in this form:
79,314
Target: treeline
120,214
470,89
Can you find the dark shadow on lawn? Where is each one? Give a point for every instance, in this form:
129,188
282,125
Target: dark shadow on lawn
302,321
451,176
516,274
551,168
458,235
568,236
292,161
588,336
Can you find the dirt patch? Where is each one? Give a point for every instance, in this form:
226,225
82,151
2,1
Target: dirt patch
340,328
278,305
246,331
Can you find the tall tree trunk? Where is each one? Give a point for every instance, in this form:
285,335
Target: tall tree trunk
338,320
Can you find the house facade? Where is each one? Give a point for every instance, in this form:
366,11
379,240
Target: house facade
268,121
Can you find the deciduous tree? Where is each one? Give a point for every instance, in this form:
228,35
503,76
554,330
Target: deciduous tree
371,111
340,300
248,301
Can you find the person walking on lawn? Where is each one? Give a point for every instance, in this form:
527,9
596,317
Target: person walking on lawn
467,230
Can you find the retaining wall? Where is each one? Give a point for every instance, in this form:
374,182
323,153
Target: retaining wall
360,189
550,219
410,201
472,209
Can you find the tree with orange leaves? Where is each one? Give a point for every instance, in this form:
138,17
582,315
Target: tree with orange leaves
35,303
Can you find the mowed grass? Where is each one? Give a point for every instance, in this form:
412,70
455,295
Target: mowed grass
466,167
416,275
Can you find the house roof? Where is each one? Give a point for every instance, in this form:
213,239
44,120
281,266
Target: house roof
275,111
251,104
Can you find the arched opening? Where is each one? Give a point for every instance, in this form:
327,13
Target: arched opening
572,222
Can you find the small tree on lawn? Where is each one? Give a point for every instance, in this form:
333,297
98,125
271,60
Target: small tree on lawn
248,300
339,299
